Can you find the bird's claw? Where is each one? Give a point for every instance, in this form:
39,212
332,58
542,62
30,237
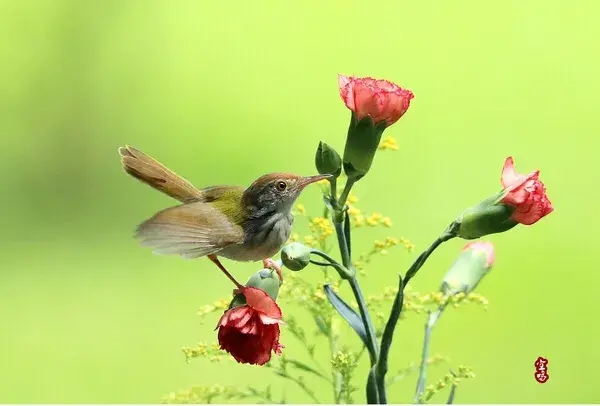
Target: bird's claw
268,263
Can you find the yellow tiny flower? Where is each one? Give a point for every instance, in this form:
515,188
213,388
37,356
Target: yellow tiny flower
391,241
352,199
386,222
309,240
301,209
319,295
359,220
389,143
353,211
371,222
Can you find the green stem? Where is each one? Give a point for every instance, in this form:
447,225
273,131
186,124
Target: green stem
333,184
448,234
344,272
305,388
335,375
372,345
345,193
421,380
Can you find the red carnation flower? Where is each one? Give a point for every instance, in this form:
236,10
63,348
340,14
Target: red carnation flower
250,332
526,193
380,99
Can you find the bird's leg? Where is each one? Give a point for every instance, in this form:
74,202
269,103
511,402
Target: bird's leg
218,263
270,264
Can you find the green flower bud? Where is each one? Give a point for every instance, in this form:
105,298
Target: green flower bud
295,256
488,217
362,143
474,262
266,280
327,160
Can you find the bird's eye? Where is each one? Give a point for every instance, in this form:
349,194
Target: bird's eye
281,186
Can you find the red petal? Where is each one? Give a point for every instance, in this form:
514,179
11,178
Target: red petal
260,301
509,175
251,348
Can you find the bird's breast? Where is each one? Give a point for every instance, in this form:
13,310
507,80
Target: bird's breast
264,237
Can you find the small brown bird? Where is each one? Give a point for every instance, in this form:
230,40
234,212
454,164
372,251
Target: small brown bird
229,221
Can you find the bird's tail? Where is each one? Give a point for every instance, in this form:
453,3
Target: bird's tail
151,172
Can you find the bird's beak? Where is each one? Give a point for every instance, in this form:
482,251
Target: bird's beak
307,180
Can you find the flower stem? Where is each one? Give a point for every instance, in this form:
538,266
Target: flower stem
346,192
333,184
448,234
432,319
371,339
335,375
342,270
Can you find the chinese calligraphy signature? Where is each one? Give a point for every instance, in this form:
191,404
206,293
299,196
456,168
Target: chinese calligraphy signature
541,370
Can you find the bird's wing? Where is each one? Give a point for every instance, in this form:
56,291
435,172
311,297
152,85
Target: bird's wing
191,230
148,170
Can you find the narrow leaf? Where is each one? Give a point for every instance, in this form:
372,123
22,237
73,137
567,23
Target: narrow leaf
322,325
347,313
307,368
347,232
371,389
388,334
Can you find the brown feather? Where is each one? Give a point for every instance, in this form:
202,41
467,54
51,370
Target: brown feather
190,230
151,172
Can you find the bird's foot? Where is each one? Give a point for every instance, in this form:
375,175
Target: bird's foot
270,264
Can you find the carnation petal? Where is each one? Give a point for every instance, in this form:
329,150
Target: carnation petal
260,301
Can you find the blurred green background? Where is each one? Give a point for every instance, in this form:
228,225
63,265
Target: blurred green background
224,92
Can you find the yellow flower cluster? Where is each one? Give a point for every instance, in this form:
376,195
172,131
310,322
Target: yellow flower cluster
416,302
219,305
201,394
321,228
309,295
212,352
342,360
450,379
389,143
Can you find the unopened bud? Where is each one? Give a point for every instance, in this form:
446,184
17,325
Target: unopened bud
295,256
266,280
473,263
327,160
488,217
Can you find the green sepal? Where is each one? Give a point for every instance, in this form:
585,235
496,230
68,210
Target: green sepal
327,160
266,280
488,217
237,301
362,143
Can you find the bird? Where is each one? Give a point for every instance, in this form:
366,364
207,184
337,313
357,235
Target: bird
237,223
